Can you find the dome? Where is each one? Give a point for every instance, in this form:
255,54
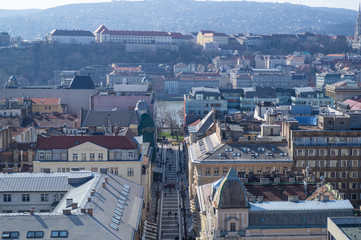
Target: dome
12,82
142,107
231,193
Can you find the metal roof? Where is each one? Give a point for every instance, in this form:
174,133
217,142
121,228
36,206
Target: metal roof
301,205
19,182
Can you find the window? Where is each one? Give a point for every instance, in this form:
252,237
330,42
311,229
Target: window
322,152
7,197
91,156
130,155
344,152
343,163
354,174
59,234
300,164
116,171
321,163
354,185
130,172
312,163
311,152
44,197
41,155
10,235
355,152
225,171
83,156
354,163
208,171
216,171
35,234
63,156
75,157
100,156
344,174
233,227
111,155
332,174
48,155
26,197
333,163
333,152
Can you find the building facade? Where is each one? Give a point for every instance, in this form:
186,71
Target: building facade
119,155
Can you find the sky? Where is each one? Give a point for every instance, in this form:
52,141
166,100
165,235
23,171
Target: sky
44,4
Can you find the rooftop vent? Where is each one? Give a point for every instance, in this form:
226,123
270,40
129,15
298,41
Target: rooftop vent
293,198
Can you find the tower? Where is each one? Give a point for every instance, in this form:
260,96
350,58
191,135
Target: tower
358,25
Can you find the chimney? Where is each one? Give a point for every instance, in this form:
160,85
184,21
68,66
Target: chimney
106,179
89,199
90,211
92,192
103,184
32,210
74,205
66,211
83,210
69,202
260,199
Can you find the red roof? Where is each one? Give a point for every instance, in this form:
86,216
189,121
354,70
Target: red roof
46,101
66,142
195,122
134,33
354,105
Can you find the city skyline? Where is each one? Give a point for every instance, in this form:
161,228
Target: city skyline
42,4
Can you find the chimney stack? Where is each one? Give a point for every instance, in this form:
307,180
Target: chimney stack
90,211
103,184
66,211
83,210
106,179
89,199
74,205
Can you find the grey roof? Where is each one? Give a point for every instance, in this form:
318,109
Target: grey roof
78,226
304,89
32,182
82,82
301,206
116,118
81,225
203,125
73,33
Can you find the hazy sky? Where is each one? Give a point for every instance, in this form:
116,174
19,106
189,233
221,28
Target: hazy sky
43,4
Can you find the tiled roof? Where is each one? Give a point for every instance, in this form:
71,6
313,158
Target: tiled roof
73,33
279,192
54,120
354,105
66,142
46,101
135,33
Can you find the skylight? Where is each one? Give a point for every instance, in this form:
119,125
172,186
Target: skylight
35,234
9,235
59,234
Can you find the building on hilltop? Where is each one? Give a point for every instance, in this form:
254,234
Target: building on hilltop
356,43
70,36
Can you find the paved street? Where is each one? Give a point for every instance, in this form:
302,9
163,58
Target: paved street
170,201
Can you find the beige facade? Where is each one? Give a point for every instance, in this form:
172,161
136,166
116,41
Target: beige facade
130,170
211,37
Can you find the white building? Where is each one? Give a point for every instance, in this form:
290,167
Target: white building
71,36
102,34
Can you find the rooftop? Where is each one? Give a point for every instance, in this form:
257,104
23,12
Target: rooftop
301,205
116,210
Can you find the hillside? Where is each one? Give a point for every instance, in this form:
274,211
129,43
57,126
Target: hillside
184,16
